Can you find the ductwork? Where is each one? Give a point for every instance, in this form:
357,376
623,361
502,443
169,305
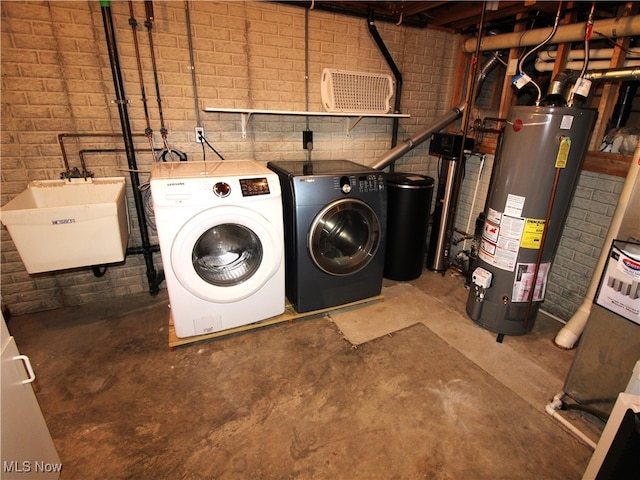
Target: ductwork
412,142
451,116
612,28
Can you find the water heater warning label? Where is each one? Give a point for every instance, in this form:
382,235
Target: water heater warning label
501,242
532,233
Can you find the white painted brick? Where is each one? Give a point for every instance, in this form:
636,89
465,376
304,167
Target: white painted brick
248,54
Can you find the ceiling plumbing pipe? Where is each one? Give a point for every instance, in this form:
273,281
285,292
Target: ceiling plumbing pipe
596,53
570,333
611,27
543,66
613,75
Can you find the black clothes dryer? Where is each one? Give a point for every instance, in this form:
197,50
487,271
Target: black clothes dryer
335,216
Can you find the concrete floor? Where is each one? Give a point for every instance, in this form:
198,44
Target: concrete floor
437,397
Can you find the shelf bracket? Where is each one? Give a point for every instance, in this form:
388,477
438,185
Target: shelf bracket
244,120
352,125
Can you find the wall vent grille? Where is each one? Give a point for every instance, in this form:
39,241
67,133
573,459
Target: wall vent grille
355,92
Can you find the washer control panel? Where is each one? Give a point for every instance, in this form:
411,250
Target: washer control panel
254,186
221,189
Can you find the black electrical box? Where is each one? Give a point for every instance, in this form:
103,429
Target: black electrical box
448,145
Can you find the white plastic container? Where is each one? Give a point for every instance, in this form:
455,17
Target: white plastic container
61,224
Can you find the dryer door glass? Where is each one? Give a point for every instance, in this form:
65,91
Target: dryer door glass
344,237
227,254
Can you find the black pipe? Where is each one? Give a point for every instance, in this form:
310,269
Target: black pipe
127,136
624,105
396,73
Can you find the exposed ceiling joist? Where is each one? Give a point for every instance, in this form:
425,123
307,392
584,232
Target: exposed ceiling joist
463,17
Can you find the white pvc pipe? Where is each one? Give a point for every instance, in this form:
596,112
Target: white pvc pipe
570,333
595,53
552,409
543,66
473,203
610,27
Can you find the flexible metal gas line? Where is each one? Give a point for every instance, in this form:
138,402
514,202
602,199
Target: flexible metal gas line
587,37
538,47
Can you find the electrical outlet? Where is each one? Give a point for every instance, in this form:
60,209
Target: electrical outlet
199,133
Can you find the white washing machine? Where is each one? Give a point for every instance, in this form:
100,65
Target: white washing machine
220,230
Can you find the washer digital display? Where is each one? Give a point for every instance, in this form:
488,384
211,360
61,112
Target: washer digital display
254,186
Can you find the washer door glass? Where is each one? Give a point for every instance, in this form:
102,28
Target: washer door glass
227,254
344,237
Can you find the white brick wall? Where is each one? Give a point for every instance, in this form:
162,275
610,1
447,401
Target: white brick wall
56,78
582,241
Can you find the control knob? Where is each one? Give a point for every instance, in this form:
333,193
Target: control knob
345,184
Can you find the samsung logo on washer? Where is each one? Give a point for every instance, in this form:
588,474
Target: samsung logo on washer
175,184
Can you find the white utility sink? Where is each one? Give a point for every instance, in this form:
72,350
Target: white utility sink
61,224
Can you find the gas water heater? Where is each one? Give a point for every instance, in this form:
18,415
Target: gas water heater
535,175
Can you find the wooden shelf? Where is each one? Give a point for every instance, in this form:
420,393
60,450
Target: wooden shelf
245,115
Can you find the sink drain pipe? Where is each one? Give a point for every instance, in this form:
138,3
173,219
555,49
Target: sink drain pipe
153,278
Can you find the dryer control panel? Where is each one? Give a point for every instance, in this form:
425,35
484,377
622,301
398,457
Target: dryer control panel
371,182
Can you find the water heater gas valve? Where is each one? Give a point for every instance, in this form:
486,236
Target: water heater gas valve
482,278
